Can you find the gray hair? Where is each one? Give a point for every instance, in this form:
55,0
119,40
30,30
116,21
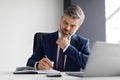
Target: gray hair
75,12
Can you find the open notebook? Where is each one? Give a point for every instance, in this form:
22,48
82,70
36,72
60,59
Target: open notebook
31,70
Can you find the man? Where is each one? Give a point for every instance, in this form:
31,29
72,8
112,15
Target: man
74,49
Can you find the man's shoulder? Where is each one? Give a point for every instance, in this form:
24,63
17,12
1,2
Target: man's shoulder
80,40
50,34
79,37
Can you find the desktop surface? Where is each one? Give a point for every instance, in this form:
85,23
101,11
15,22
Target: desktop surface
11,76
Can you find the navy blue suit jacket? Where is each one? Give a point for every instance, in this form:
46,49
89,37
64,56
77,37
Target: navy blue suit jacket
77,53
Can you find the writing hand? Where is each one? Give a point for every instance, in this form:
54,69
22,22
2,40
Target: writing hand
45,64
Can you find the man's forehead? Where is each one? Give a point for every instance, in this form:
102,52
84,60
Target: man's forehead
71,20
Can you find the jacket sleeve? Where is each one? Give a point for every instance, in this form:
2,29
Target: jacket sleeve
37,54
79,54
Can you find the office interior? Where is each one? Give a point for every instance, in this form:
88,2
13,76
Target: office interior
21,19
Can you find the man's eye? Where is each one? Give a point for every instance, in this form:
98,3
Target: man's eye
65,23
72,25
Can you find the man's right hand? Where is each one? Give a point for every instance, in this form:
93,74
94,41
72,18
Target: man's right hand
45,64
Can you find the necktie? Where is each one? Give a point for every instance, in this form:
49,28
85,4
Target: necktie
61,57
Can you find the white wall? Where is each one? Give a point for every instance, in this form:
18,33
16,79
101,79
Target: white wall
19,21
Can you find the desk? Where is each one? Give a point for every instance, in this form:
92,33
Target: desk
10,76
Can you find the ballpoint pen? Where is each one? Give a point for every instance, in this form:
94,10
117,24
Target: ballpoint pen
50,60
46,56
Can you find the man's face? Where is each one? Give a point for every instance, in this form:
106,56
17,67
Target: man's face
69,25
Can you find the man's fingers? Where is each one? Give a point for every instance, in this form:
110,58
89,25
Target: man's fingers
65,37
68,37
44,66
48,62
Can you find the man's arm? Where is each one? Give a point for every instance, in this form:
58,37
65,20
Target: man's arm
37,55
38,60
80,54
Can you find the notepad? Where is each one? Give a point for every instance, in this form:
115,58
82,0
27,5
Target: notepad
31,70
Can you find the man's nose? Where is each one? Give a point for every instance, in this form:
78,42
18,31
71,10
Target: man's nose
68,27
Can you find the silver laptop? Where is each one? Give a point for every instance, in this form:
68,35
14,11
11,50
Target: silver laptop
103,61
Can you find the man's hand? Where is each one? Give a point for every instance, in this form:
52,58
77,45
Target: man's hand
63,41
45,64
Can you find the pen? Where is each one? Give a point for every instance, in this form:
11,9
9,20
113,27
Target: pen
50,60
45,56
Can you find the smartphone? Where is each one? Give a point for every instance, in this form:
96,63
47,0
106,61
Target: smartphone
53,75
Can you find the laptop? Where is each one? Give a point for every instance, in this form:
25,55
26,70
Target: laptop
103,61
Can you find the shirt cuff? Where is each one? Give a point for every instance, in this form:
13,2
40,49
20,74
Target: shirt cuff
35,66
66,48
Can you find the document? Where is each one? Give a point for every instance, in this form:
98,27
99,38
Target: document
31,70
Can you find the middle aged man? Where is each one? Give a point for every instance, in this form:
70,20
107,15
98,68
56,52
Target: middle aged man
63,50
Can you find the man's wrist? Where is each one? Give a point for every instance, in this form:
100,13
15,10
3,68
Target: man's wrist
36,65
66,48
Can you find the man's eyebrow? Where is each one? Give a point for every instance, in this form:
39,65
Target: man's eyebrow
73,25
64,20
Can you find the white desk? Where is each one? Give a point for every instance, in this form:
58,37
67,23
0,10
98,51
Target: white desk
10,76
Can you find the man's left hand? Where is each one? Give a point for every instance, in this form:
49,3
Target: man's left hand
63,41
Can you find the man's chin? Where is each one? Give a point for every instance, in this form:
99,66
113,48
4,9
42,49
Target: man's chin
65,34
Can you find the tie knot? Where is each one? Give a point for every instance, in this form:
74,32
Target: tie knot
61,50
